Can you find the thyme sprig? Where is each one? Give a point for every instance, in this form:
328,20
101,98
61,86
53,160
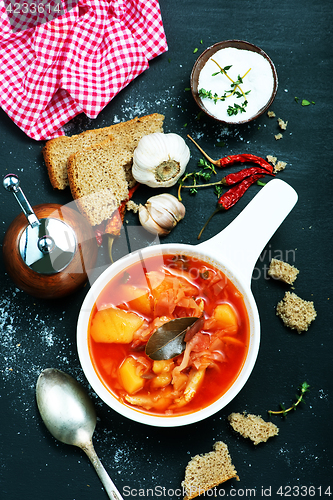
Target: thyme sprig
204,174
300,398
235,90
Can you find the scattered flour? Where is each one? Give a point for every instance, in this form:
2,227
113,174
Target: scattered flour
27,343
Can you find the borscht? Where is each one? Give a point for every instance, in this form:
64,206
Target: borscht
149,294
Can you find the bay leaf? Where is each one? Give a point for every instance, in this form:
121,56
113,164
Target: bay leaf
168,340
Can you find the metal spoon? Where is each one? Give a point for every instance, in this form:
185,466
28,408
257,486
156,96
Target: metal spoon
69,415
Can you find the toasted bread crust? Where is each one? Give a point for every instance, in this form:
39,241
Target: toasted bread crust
205,472
56,152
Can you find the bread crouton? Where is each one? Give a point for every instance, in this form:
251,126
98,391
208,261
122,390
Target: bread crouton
253,427
295,312
282,271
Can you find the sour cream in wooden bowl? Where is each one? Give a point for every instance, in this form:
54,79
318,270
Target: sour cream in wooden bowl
234,81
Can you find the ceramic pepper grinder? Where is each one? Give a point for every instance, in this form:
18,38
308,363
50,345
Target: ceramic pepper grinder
49,248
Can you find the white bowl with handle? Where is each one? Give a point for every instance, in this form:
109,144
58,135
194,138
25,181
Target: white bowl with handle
234,251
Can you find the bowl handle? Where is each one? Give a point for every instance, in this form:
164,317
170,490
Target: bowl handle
241,243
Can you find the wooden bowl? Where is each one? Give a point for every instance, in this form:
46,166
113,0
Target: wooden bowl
202,60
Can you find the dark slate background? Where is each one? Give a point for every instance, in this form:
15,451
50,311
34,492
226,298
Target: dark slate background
35,334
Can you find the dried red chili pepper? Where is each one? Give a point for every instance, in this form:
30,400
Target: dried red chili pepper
99,231
233,178
236,177
230,197
232,159
114,224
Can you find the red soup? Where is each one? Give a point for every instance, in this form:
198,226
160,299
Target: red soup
136,302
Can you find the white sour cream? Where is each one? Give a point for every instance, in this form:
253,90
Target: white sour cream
259,80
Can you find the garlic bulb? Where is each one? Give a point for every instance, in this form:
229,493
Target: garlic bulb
160,159
161,213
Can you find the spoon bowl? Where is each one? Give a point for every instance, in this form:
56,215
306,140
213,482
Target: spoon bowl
69,415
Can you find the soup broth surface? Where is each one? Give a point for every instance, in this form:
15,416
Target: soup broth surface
145,296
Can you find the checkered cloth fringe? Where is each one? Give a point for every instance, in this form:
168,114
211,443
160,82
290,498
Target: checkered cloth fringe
75,63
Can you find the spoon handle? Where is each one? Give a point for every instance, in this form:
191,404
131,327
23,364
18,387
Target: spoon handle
108,484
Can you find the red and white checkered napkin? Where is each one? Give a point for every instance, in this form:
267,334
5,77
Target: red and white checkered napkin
75,63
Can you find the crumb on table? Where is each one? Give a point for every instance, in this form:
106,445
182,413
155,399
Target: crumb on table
277,164
295,312
282,271
131,205
282,124
280,165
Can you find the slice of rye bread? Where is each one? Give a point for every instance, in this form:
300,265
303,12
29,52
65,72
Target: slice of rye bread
56,152
205,472
100,175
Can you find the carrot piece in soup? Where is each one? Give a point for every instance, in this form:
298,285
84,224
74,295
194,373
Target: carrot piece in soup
224,316
114,325
129,376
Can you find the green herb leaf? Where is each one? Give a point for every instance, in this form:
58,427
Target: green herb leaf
218,190
305,102
235,90
195,51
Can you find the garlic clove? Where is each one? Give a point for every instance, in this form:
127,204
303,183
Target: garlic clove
161,213
159,159
164,218
149,224
168,205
